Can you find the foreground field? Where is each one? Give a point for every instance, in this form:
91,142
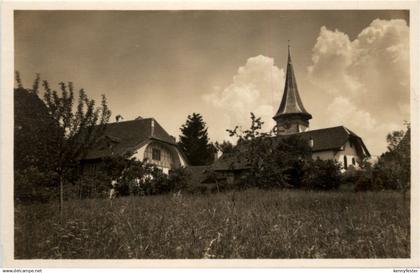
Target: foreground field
250,224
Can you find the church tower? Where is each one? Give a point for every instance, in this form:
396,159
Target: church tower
291,117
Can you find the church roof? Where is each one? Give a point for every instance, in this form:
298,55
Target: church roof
125,136
332,138
291,102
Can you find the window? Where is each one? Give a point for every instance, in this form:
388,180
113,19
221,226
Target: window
156,154
345,162
353,161
159,155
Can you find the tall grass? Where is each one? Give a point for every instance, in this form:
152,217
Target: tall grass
250,224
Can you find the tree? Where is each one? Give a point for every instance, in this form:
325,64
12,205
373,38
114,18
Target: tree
272,161
79,125
194,141
395,164
321,175
33,131
224,147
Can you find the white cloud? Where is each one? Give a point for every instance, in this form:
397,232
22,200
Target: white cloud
367,77
342,109
255,88
362,122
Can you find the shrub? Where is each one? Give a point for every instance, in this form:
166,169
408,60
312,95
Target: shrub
178,178
321,175
143,178
33,185
91,186
379,177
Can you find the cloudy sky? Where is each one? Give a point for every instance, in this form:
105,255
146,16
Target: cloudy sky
352,67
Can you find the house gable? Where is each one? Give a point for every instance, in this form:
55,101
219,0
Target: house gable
134,136
128,136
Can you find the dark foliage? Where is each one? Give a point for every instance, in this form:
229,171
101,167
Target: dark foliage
137,177
53,134
194,141
33,131
392,171
225,147
34,135
32,185
321,175
397,161
273,161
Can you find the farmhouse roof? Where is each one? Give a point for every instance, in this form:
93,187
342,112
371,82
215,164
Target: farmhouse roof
126,136
291,103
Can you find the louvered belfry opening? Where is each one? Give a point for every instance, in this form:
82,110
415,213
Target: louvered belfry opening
291,117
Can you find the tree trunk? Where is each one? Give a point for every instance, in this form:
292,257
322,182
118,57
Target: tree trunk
217,186
80,188
61,199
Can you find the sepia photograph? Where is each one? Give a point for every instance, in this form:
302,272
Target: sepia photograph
212,134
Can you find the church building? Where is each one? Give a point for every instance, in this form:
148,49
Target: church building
336,143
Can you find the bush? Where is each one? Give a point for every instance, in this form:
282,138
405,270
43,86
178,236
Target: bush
146,179
376,178
178,179
91,186
321,175
32,185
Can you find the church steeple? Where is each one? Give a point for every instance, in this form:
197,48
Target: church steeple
291,116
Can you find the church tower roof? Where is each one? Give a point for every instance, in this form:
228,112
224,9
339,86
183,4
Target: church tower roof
291,103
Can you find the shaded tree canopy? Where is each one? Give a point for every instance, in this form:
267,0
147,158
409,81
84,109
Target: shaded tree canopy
194,141
34,131
225,146
273,161
396,162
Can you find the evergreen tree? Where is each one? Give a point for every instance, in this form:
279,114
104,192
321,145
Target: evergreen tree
194,141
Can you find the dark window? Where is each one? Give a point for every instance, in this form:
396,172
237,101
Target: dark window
156,154
345,162
353,161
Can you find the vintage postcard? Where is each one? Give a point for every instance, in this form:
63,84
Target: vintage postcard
198,134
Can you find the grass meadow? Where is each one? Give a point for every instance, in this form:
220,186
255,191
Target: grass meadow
248,224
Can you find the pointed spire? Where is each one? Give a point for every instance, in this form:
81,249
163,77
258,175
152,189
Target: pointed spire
291,102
